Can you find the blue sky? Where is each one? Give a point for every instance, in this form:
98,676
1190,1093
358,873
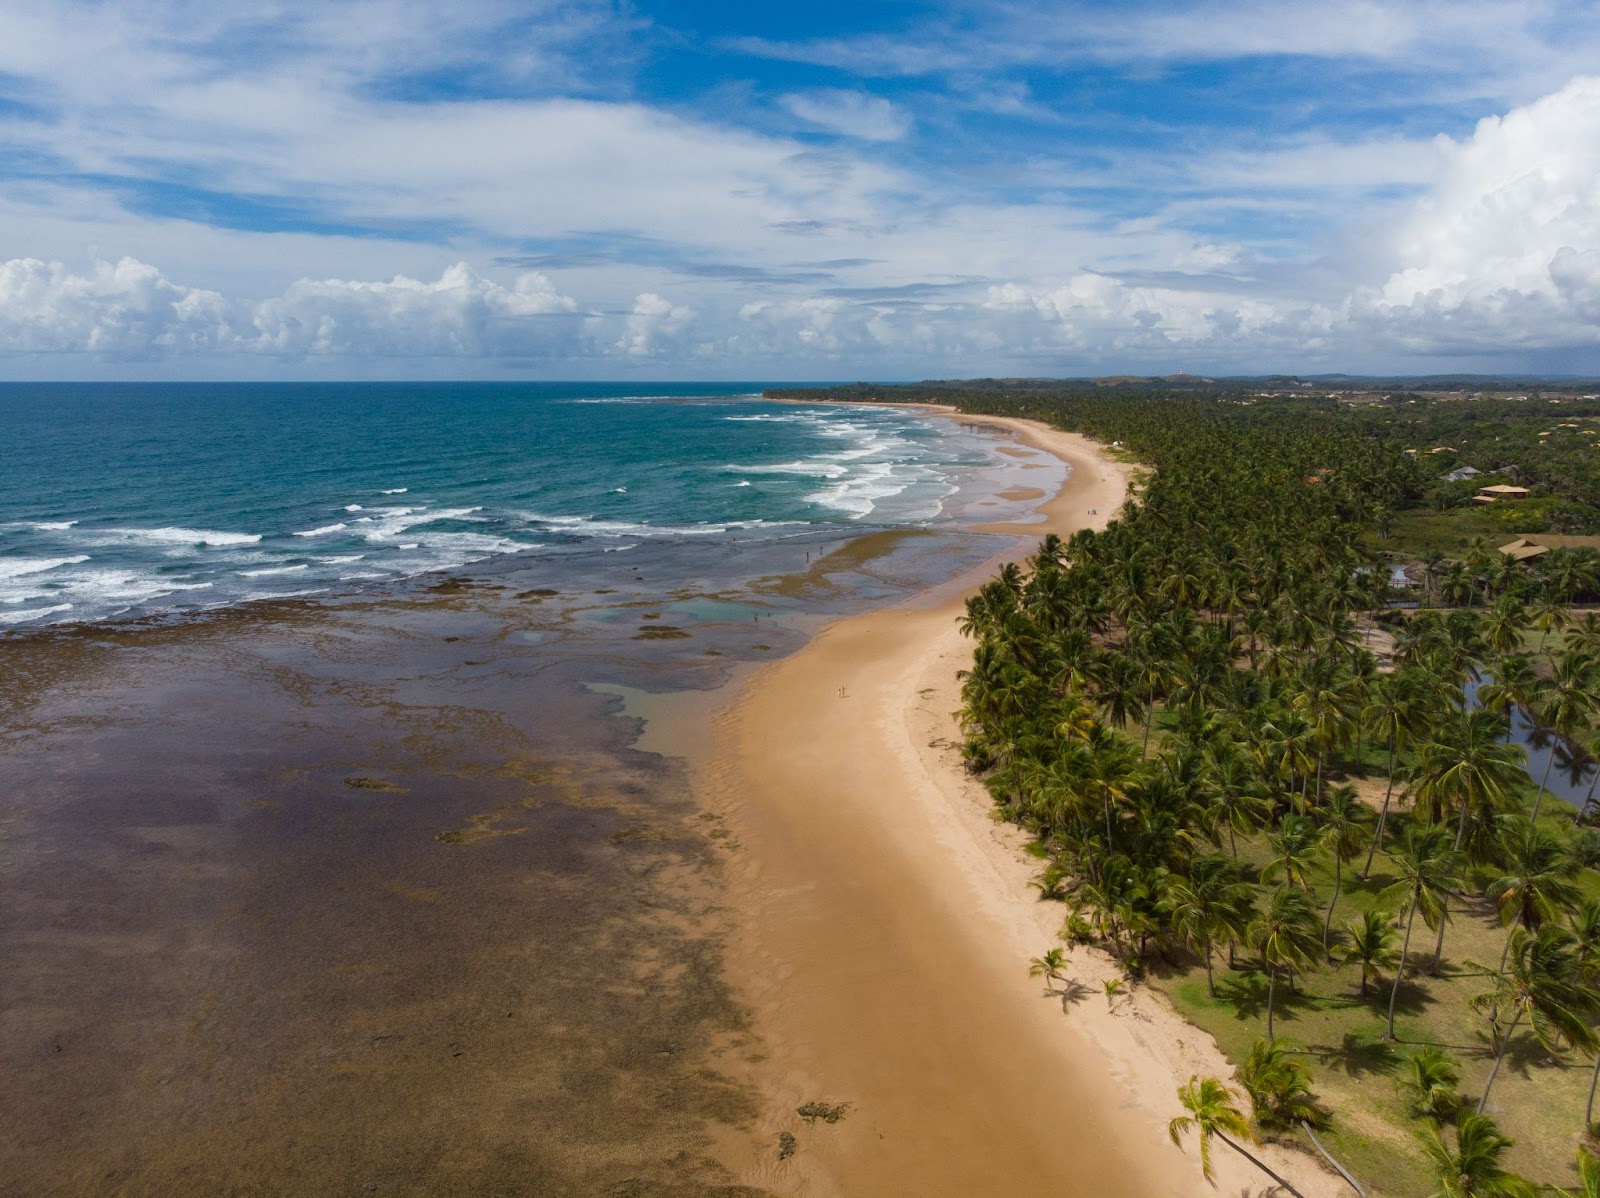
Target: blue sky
670,189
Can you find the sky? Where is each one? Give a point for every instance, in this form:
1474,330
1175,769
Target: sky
899,189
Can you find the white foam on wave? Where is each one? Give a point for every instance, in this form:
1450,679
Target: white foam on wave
94,588
352,507
198,537
391,522
593,526
324,530
21,566
859,495
54,525
809,467
343,559
395,491
807,416
32,613
272,570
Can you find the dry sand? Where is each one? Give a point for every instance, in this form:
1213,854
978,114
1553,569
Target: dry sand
885,922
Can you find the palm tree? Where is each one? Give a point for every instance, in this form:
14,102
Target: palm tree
1278,1084
1549,614
1429,867
1472,1169
1212,901
1544,980
1346,825
1235,798
1431,1079
1569,705
1051,967
1212,1112
1394,713
1293,851
1536,882
1286,935
1471,770
1372,943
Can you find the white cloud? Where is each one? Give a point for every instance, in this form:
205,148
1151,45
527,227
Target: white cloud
1506,247
655,327
129,309
121,309
852,113
460,315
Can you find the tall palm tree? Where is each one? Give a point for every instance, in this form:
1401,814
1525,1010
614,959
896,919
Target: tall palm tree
1472,1169
1287,936
1212,1112
1345,825
1545,981
1212,902
1394,713
1471,773
1429,868
1536,882
1293,848
1570,704
1232,791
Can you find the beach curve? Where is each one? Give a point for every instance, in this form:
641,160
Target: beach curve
883,922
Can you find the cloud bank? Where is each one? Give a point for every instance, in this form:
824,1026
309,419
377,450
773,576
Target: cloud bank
360,190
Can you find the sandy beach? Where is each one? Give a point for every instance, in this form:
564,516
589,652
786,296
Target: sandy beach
884,923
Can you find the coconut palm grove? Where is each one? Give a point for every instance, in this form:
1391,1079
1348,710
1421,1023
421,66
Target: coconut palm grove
1295,796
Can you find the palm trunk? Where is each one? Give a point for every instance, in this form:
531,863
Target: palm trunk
1211,986
1259,1164
1405,947
1498,1057
1383,815
1327,924
1438,947
1272,989
1551,760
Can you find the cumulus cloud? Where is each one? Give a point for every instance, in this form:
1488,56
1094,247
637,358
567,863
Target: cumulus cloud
122,309
459,315
852,113
129,309
1507,244
655,327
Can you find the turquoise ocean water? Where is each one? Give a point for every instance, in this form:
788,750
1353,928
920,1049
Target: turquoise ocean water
129,500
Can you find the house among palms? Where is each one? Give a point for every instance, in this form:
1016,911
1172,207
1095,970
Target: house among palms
1522,549
1461,475
1499,492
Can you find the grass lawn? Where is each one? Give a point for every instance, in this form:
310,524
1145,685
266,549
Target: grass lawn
1537,1101
1424,530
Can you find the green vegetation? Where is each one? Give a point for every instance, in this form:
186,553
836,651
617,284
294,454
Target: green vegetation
1269,793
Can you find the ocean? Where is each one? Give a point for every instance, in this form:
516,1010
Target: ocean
334,859
132,500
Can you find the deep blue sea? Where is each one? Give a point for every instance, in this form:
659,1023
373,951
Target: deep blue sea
120,500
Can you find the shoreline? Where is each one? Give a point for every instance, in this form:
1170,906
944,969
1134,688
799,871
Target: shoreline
883,923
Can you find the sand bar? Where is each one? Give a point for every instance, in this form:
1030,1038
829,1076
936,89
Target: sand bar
884,923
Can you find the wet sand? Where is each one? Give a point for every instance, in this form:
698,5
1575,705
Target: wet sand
885,924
